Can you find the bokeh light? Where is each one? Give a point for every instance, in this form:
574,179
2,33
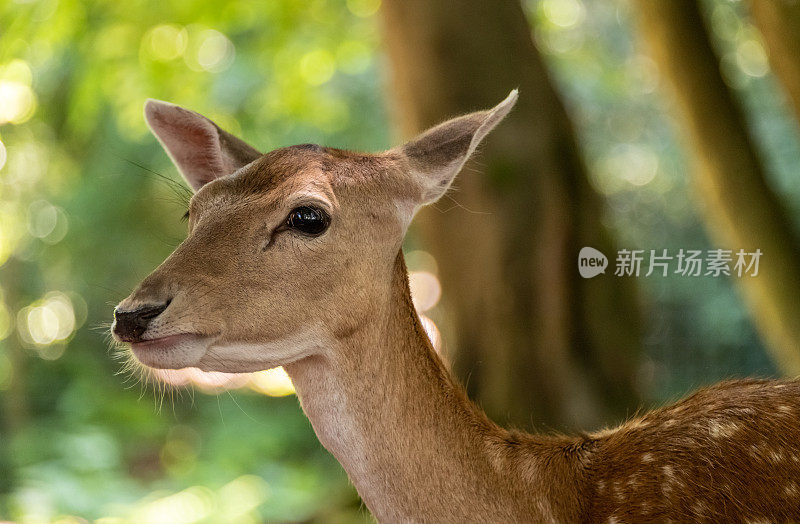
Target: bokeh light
42,218
214,52
626,165
419,260
563,13
206,381
751,58
425,289
166,42
433,332
273,382
17,99
190,505
242,495
45,322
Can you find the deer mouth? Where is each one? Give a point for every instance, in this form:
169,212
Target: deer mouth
171,352
163,342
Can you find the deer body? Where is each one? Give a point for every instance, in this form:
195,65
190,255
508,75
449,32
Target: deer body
417,449
725,454
293,258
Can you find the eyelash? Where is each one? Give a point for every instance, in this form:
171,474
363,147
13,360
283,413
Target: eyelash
185,216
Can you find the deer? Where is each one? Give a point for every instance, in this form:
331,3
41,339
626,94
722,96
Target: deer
294,258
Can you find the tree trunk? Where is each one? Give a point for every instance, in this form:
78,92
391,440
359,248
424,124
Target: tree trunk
740,208
779,23
531,338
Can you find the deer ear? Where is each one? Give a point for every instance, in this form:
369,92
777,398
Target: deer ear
199,149
438,154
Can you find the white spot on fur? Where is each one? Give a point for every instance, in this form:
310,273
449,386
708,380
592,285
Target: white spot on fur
699,508
791,489
785,409
618,491
647,457
546,511
776,456
632,480
722,429
670,479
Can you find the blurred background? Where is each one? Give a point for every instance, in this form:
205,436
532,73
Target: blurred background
641,125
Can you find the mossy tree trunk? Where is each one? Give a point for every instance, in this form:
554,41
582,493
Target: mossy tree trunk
740,208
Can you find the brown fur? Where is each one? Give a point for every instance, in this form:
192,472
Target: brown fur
724,454
336,312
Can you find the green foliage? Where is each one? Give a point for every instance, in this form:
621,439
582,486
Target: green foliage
86,214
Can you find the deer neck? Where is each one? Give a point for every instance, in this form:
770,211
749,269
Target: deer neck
412,443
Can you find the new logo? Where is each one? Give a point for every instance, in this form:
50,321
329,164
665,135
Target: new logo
591,262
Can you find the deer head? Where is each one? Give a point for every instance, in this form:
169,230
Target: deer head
286,251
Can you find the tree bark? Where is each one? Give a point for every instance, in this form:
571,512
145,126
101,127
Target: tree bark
532,339
741,210
779,24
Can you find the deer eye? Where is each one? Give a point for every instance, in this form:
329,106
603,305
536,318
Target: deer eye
308,220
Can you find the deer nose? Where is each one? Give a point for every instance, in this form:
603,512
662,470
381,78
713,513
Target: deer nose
129,326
